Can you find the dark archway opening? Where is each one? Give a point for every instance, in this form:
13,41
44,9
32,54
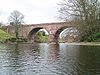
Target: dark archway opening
38,35
66,34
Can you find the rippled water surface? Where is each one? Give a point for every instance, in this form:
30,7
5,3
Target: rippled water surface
49,59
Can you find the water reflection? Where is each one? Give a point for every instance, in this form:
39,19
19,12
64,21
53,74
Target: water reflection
20,59
87,57
49,59
14,62
53,51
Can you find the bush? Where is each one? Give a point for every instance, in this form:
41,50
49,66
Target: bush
17,40
94,37
41,37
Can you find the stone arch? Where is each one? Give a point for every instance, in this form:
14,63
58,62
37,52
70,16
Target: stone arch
53,37
59,31
33,32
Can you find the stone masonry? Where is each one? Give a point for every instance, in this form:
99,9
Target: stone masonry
26,31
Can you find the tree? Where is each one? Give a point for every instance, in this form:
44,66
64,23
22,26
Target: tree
16,19
85,13
1,23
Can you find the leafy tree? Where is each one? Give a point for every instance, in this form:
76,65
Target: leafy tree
16,19
85,13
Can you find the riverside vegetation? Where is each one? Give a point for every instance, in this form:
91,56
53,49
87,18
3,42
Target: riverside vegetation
4,36
41,37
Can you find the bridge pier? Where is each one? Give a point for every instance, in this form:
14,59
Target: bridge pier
53,38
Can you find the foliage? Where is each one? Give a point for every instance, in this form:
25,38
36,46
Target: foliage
15,19
85,14
41,36
94,37
4,36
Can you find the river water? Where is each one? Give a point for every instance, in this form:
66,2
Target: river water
49,59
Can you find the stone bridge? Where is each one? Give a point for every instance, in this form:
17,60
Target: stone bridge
27,31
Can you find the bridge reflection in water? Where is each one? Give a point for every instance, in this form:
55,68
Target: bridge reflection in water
53,51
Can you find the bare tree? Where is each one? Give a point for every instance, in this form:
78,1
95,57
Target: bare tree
16,19
86,14
1,23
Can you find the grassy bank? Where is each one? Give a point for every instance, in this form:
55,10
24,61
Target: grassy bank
90,43
4,36
85,43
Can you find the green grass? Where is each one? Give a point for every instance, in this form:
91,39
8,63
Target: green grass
43,38
91,42
4,36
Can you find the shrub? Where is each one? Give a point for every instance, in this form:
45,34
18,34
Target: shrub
94,37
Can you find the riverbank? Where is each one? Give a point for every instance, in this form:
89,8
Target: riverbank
84,43
74,43
4,36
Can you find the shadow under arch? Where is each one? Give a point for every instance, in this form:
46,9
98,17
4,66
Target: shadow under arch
33,32
59,31
69,30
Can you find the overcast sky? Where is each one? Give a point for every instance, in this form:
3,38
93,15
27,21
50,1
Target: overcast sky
35,11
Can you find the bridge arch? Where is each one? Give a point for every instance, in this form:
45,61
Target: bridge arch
61,29
34,31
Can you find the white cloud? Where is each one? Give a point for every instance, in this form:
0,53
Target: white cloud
35,11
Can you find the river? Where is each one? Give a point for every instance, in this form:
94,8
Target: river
49,59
